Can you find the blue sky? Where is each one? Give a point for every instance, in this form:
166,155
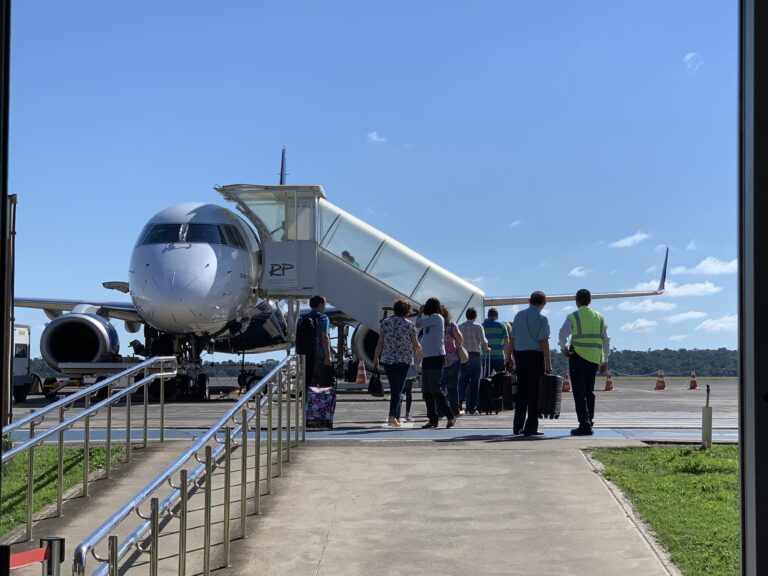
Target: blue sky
522,145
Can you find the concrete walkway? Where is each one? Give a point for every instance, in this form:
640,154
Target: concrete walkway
485,507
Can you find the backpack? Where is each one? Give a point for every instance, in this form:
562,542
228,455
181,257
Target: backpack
306,336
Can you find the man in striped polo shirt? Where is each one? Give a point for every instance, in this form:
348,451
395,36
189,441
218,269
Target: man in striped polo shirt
498,339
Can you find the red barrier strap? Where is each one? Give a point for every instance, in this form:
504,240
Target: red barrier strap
22,559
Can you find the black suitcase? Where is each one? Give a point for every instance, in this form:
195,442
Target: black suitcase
550,396
490,393
505,386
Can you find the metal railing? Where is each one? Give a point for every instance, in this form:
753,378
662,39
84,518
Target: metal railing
161,367
273,391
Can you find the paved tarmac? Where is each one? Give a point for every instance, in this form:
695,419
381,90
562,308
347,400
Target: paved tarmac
366,498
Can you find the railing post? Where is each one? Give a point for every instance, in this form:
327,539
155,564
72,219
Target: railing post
207,512
60,469
269,437
288,381
128,427
30,481
146,405
162,404
280,407
86,447
154,552
108,463
303,399
227,490
183,523
298,384
257,465
112,555
243,470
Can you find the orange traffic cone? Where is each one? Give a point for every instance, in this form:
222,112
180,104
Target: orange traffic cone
566,382
362,377
694,385
608,383
660,383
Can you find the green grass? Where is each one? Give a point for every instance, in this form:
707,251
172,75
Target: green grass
689,497
13,499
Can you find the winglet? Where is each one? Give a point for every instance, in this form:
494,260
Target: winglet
664,273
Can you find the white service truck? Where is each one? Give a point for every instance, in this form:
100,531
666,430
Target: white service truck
24,381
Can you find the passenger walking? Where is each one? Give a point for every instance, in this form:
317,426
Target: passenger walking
475,342
588,351
395,350
432,326
313,340
498,339
530,346
451,366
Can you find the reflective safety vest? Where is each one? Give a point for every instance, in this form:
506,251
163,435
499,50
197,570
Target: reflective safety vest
588,334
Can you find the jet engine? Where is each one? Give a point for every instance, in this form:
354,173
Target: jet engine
80,338
364,342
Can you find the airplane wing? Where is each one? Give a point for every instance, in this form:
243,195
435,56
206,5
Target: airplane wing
507,301
111,310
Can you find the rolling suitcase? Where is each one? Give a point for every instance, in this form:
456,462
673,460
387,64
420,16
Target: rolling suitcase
490,394
321,405
550,396
506,386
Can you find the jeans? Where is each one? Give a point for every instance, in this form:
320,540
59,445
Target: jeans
408,393
450,383
583,373
530,367
470,380
396,375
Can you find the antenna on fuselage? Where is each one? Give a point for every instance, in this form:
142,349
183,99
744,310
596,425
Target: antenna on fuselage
283,173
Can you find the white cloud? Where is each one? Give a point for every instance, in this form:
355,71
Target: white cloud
675,290
692,315
710,266
515,223
692,245
633,240
641,326
660,248
724,324
568,308
677,337
579,272
651,269
477,280
647,305
693,61
408,145
375,138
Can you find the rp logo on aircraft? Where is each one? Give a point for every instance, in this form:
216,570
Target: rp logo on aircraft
280,269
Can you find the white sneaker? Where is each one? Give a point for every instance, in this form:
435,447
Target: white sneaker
408,418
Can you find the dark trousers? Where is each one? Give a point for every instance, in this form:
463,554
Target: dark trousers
450,385
583,373
309,369
408,392
470,380
530,368
434,397
396,374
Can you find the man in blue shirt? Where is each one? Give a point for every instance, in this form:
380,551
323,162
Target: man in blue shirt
498,339
530,346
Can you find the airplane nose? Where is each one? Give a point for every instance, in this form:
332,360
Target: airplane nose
174,293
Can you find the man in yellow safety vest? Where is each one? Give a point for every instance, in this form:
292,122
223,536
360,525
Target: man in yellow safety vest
587,353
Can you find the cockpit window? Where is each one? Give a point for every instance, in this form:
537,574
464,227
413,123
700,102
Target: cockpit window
234,238
205,233
162,234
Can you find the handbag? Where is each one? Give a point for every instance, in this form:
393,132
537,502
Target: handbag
462,353
375,387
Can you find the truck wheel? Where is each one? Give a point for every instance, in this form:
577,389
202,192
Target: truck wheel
20,393
201,387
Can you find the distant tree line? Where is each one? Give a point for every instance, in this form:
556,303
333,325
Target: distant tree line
720,362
